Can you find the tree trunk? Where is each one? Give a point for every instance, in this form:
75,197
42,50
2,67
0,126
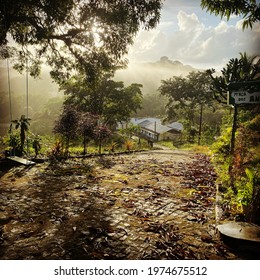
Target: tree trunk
67,145
99,146
85,145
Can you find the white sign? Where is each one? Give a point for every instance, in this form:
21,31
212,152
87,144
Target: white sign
241,97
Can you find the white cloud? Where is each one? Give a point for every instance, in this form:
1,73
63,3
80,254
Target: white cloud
194,43
222,27
188,23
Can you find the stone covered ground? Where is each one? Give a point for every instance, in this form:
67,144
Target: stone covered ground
157,204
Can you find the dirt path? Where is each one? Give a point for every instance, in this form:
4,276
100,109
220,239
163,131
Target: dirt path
149,205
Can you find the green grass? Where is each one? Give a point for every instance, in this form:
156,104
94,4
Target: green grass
193,147
168,144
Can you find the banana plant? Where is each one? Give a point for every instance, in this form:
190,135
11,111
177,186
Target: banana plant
22,124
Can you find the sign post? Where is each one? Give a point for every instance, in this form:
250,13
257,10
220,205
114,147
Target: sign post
240,94
244,93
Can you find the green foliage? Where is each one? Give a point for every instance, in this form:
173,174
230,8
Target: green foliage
235,158
46,114
221,147
57,152
13,142
153,105
21,124
101,132
129,145
190,97
168,144
67,123
74,123
36,145
86,127
111,100
89,36
237,70
113,147
249,9
130,130
221,157
246,187
245,167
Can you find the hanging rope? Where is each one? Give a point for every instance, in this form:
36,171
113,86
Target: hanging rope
8,74
27,84
9,90
27,99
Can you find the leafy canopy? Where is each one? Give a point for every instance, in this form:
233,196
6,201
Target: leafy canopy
86,35
186,94
241,69
249,9
109,99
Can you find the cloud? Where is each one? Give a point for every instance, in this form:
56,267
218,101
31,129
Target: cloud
192,42
189,23
221,28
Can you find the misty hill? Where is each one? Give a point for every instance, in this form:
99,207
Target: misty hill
43,90
150,74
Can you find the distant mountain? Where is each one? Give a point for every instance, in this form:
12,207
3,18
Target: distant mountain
150,74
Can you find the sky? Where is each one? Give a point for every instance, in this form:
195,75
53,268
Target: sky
195,37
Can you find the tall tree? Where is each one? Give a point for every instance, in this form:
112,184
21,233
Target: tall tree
241,69
186,96
109,99
249,9
202,93
73,34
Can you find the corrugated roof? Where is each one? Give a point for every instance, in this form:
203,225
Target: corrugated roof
157,127
155,124
144,123
176,125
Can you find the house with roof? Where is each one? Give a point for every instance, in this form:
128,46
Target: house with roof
153,130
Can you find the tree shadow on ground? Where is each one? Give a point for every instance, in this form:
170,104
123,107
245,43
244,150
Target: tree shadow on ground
58,214
5,166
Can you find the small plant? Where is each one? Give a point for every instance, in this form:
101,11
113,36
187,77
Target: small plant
246,187
58,151
22,124
14,144
112,147
36,145
129,145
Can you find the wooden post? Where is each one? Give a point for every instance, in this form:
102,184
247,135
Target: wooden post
232,148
